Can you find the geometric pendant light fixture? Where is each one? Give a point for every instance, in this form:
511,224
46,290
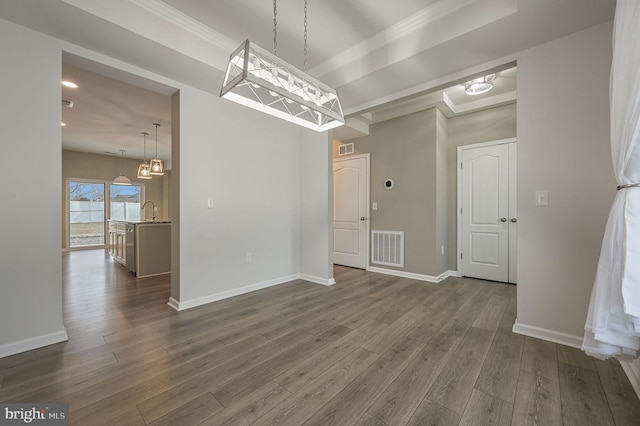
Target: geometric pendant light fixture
261,80
144,170
157,167
122,179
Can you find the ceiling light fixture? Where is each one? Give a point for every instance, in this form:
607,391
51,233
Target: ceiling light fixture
260,80
70,84
144,171
122,179
479,85
157,167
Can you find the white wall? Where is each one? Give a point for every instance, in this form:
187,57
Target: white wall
255,181
316,207
563,147
30,297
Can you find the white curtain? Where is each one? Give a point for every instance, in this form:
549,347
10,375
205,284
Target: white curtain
613,323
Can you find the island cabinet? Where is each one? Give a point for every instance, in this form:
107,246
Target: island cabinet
116,241
153,249
143,247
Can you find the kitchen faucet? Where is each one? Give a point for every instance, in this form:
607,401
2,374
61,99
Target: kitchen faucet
153,216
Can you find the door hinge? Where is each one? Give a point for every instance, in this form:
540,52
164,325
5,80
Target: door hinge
460,210
460,255
460,165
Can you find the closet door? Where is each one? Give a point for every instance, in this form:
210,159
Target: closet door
486,212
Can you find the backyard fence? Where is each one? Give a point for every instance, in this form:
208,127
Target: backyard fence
93,211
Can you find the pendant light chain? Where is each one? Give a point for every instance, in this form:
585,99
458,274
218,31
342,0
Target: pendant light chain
305,35
275,28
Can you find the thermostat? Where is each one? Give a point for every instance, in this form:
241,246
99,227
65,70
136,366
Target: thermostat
388,184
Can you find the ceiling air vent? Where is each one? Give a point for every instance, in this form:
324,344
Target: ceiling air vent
345,149
67,103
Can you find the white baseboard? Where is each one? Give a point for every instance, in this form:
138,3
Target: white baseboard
174,303
414,276
549,335
632,369
31,343
192,303
317,280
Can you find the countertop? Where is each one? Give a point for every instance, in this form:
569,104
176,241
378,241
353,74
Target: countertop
142,221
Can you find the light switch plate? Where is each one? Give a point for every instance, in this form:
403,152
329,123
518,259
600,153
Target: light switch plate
542,198
374,206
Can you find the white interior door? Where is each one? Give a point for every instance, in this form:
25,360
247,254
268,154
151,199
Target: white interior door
485,215
350,218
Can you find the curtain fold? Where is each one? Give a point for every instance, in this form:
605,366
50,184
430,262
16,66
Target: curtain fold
613,322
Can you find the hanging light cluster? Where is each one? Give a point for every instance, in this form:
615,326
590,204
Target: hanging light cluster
146,170
260,80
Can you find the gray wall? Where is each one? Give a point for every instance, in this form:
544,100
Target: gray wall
442,244
421,150
563,146
483,126
404,149
82,165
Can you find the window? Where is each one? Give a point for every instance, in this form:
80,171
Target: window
90,203
86,214
125,202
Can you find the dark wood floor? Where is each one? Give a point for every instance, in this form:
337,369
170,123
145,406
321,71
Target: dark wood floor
371,350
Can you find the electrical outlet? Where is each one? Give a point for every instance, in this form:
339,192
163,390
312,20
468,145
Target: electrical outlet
210,202
442,249
247,257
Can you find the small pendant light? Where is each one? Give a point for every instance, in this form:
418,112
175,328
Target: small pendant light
122,179
144,171
157,167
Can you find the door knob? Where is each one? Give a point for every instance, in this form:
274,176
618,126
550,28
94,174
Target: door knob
514,220
362,218
503,219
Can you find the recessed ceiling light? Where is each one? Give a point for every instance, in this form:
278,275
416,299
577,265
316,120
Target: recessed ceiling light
63,124
69,84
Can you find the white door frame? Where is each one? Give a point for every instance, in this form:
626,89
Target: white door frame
459,196
367,157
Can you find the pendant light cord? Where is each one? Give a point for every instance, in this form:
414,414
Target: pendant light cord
305,35
275,28
157,125
144,149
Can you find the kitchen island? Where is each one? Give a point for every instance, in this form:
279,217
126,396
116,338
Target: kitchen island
142,246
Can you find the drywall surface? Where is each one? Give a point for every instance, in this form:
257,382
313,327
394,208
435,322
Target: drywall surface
404,149
563,147
31,300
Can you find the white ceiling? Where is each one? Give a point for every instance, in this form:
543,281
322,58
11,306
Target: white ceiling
109,115
382,56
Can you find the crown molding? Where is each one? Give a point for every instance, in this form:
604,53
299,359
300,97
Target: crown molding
186,22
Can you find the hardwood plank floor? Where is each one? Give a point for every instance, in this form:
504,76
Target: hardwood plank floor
371,350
